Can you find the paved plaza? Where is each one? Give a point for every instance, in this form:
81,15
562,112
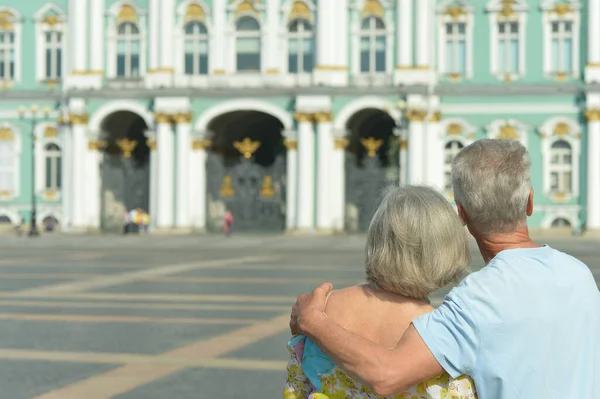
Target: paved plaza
101,317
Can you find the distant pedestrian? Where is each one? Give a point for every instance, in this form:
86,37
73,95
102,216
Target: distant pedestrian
228,224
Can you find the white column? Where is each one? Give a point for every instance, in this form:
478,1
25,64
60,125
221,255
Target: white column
291,186
154,34
78,27
326,34
167,21
306,172
197,183
79,153
403,154
593,32
324,171
165,165
416,133
153,178
93,158
182,219
338,181
423,40
404,32
273,36
339,17
332,43
97,21
433,152
218,36
593,170
67,168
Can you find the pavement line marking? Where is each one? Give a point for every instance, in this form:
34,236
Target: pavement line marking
161,297
120,319
247,280
131,376
129,277
120,305
296,268
136,359
49,276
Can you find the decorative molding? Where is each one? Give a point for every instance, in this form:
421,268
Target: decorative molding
194,12
303,117
291,145
372,8
247,147
323,117
416,115
183,118
6,134
127,14
508,129
163,118
201,144
435,117
97,145
79,119
50,132
592,115
372,145
151,143
340,143
300,10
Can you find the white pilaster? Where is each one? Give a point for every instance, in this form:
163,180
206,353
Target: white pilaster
154,50
403,154
97,21
433,152
332,48
218,37
424,38
273,36
92,161
416,146
593,170
167,22
291,200
184,149
594,32
154,188
324,171
78,25
79,152
404,31
338,180
67,168
165,165
306,172
197,182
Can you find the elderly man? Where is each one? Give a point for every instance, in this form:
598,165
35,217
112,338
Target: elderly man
526,326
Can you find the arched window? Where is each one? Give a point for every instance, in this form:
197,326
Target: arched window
450,152
7,55
128,50
372,45
53,47
561,222
300,46
53,165
248,44
196,49
8,162
561,167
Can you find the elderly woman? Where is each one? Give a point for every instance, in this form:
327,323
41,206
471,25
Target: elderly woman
416,244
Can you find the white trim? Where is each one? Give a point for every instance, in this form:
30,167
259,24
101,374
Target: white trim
493,129
18,148
45,213
95,122
548,138
18,32
41,29
469,21
179,35
40,155
231,36
572,215
549,17
207,116
284,34
512,108
466,138
361,103
13,215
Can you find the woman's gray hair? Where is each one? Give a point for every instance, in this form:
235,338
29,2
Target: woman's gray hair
416,243
491,181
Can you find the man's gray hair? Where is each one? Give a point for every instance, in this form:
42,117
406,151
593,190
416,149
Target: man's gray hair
416,243
491,181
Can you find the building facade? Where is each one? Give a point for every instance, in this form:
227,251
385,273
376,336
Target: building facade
292,114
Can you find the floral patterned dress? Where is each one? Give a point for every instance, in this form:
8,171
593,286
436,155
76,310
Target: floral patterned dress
312,375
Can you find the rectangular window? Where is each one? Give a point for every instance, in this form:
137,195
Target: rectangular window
7,56
380,54
364,54
561,46
248,54
293,57
307,55
49,173
508,47
53,54
456,48
59,173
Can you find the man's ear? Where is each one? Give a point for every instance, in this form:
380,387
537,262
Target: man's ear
461,213
530,203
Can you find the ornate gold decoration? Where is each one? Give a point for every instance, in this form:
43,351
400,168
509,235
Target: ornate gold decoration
5,194
455,77
6,134
323,117
162,118
372,145
267,190
455,12
88,73
330,68
95,145
247,147
151,143
577,136
561,129
6,20
227,190
372,7
126,14
198,145
592,115
183,117
299,9
51,20
561,76
194,12
61,120
507,78
562,9
508,132
50,132
245,7
291,145
219,72
435,117
416,115
403,144
454,129
78,119
507,8
50,195
127,146
272,71
302,117
340,143
560,196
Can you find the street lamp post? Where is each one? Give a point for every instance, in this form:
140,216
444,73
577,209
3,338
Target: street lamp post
32,115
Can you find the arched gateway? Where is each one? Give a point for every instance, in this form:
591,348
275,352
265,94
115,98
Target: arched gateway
246,171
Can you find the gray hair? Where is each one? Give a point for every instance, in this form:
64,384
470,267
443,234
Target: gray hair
491,181
416,243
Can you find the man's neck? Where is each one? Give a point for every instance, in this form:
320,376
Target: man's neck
491,246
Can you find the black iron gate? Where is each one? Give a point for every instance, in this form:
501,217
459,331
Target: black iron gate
366,180
253,193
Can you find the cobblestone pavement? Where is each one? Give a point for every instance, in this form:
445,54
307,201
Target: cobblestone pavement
101,317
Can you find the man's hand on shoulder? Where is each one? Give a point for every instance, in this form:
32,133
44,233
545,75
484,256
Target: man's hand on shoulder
308,310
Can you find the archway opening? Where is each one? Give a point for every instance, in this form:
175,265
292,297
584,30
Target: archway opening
246,170
372,163
125,169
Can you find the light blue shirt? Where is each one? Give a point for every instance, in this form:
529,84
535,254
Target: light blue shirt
526,326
